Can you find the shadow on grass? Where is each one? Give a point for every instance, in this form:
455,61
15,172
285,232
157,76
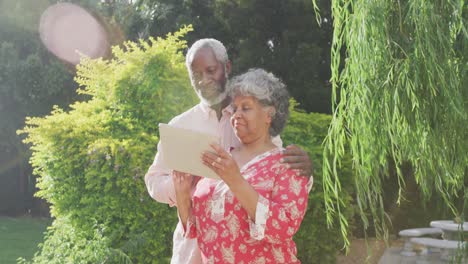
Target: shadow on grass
19,237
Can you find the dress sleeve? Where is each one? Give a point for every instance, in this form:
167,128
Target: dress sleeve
278,217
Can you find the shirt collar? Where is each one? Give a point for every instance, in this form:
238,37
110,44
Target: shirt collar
205,108
208,111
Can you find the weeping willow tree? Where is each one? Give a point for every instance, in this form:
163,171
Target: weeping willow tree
399,97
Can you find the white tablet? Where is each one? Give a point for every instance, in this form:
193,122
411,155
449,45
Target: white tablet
183,148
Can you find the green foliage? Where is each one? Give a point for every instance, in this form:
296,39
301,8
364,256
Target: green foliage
399,97
91,159
284,38
314,240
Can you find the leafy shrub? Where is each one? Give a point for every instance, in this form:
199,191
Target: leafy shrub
91,160
66,244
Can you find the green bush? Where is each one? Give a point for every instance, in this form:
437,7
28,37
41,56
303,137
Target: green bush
316,243
91,160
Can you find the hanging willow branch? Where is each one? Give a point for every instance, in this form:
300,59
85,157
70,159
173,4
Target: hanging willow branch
399,95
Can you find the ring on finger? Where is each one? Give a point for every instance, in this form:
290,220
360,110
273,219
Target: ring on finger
218,159
213,163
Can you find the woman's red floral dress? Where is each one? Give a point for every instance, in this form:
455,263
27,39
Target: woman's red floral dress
225,232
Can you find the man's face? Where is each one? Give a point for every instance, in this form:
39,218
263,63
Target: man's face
208,77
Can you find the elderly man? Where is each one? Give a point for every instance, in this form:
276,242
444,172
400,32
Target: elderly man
209,67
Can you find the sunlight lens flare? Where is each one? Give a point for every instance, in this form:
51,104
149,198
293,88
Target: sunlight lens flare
68,30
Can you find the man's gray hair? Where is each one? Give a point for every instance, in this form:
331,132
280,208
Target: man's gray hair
215,45
269,91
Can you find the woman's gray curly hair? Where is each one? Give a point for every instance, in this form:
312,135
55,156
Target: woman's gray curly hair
269,91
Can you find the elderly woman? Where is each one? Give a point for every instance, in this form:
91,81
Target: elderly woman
252,213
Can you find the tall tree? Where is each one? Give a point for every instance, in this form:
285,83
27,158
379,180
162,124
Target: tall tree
285,38
280,36
31,81
399,96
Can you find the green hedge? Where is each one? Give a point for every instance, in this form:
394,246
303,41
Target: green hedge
91,161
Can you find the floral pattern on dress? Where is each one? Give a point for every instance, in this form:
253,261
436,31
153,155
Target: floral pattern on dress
225,232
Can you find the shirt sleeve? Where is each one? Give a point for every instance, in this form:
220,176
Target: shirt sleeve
278,217
158,181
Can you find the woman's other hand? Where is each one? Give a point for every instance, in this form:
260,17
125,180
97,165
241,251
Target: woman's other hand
182,184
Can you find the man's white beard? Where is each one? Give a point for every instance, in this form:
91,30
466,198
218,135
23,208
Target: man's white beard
218,99
213,101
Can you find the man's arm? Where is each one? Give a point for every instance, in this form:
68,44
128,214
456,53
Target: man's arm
158,181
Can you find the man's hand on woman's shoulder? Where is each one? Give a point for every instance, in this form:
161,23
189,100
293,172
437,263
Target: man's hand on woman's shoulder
297,158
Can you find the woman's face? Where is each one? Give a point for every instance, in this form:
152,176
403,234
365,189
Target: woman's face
250,119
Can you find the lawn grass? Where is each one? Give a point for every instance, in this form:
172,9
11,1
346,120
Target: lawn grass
19,237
